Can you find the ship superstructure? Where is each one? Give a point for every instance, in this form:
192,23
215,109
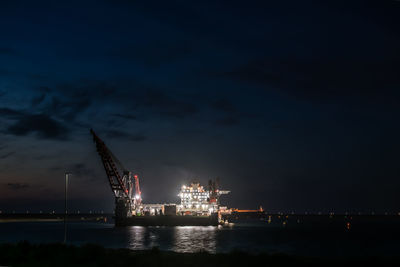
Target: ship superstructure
196,200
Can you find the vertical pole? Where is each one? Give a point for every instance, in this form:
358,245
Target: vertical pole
65,208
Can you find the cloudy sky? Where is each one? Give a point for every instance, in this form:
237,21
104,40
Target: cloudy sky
294,105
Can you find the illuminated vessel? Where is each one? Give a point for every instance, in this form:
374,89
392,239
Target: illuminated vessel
198,206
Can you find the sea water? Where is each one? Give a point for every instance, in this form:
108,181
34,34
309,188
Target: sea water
296,236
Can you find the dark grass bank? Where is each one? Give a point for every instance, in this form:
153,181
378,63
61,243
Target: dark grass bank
26,254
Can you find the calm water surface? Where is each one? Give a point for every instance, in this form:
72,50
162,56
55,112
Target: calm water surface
323,238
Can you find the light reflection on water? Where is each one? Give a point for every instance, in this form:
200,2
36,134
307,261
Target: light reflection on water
184,238
137,237
195,239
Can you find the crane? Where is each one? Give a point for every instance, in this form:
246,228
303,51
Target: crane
120,180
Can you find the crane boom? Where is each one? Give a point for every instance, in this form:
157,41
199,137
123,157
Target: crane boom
126,204
119,184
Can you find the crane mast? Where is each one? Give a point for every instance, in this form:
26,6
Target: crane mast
120,180
138,196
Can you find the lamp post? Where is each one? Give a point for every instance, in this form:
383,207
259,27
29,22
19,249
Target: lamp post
65,206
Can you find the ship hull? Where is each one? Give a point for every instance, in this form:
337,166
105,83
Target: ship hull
167,220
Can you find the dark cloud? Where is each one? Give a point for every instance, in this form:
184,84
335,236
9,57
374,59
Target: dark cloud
125,116
115,134
44,89
37,100
10,113
88,89
66,109
7,51
17,186
68,100
4,156
41,125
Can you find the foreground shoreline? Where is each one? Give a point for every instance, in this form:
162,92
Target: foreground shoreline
57,254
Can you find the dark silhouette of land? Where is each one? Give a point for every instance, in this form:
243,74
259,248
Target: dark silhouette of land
26,254
48,217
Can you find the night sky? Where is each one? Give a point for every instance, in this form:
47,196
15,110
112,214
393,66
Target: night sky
293,105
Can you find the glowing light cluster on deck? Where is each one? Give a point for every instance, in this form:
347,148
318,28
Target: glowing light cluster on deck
195,200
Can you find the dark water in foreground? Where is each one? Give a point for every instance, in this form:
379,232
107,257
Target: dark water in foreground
321,237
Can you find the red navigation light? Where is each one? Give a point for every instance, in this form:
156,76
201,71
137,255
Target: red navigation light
135,176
